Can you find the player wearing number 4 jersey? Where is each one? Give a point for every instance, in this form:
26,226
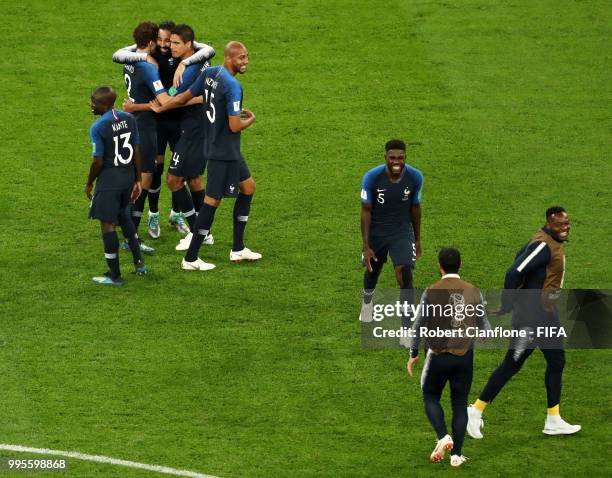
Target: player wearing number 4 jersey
116,171
228,173
143,84
390,223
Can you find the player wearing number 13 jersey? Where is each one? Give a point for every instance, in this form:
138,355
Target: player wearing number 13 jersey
116,171
390,222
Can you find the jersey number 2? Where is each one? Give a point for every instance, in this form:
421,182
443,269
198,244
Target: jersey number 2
126,145
128,86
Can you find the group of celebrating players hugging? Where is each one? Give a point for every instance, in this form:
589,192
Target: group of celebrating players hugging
175,98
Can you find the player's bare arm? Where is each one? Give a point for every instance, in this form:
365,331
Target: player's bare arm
170,102
238,123
416,225
94,172
366,220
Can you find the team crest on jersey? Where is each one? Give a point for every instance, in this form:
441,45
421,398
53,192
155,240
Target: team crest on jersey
406,194
171,61
231,189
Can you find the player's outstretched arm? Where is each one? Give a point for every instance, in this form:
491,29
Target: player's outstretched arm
170,102
127,55
366,221
94,172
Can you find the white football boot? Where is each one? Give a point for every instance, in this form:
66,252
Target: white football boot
442,445
245,254
197,265
457,460
183,244
475,423
367,312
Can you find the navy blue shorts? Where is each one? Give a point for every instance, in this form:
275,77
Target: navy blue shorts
188,158
147,130
168,134
439,369
108,205
224,177
401,247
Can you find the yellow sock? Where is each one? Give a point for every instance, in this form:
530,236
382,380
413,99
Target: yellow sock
553,410
480,405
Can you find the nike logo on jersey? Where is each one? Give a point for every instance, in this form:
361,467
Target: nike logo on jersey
380,190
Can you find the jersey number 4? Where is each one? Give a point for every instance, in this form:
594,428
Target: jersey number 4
210,113
119,158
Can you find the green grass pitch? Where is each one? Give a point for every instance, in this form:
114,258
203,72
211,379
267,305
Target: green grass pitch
256,370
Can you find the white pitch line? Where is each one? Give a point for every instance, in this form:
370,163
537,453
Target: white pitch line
104,459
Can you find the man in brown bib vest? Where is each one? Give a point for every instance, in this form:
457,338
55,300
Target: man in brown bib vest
450,312
539,267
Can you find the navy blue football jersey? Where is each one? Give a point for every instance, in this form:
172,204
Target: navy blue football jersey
113,137
222,99
391,202
192,113
142,82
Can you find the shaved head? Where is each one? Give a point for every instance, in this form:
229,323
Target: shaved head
104,95
232,48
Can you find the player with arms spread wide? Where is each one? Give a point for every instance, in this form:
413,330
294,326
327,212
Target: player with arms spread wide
228,173
116,171
390,223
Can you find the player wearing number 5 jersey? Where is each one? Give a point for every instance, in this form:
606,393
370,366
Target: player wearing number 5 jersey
228,173
116,171
390,223
143,84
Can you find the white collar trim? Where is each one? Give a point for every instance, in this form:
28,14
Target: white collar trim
450,276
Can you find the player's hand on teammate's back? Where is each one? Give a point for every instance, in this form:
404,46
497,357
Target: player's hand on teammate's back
412,361
136,191
368,256
88,189
178,75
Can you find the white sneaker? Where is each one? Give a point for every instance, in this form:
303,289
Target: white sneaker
555,425
367,311
442,445
197,265
457,460
183,244
475,423
245,254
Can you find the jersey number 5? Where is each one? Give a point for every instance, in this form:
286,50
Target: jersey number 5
126,145
380,197
210,113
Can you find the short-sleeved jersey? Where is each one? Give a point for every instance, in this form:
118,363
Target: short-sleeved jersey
142,82
391,201
222,99
113,137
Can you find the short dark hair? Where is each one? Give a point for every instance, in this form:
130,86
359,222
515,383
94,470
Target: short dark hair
395,144
185,32
551,211
104,94
144,33
167,25
449,259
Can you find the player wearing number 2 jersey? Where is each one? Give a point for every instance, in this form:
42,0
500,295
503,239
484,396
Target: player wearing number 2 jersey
143,84
116,171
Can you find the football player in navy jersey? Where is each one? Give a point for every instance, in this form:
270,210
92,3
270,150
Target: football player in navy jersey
168,123
390,223
228,173
116,172
143,83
